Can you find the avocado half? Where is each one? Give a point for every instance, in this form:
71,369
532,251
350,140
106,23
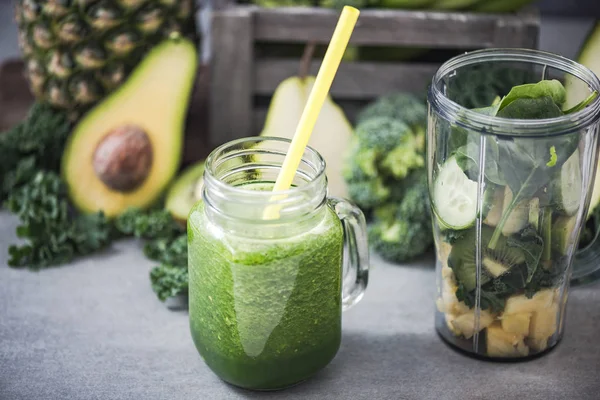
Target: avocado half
589,55
127,149
185,192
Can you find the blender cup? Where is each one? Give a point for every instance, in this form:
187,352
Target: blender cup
509,198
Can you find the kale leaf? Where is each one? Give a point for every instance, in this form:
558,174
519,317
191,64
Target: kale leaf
35,144
52,234
169,281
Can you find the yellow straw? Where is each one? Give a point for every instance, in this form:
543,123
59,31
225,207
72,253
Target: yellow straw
318,95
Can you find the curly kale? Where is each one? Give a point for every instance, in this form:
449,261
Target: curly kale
150,224
52,234
171,251
402,231
35,144
167,244
169,281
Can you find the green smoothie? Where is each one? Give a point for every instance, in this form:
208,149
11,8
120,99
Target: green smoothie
265,313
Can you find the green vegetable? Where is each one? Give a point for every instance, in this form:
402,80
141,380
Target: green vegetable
402,231
170,278
169,281
478,85
368,193
167,245
52,234
552,89
151,224
172,251
384,153
34,144
404,107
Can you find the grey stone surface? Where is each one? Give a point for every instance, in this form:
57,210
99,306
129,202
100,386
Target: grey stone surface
95,330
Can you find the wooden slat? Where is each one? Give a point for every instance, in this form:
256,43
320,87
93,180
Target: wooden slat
354,80
386,27
231,74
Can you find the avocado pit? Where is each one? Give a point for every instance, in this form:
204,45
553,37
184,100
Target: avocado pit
123,159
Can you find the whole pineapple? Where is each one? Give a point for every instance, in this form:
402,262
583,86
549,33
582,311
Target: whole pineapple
78,51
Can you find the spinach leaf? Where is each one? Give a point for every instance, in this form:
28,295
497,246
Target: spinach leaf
467,157
531,244
531,108
552,89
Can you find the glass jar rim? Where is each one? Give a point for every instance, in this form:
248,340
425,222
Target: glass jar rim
473,120
320,166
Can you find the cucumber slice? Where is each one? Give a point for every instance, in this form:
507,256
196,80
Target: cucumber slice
567,189
454,197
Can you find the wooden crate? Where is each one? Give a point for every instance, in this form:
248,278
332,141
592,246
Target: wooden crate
242,83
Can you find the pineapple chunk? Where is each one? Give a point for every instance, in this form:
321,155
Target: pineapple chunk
504,344
448,303
465,323
443,253
538,344
543,323
521,304
516,323
449,318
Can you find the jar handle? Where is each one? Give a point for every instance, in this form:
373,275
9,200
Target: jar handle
355,273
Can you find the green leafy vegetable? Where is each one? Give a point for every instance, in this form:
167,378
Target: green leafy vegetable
552,90
151,224
169,281
531,245
31,146
52,234
531,108
172,251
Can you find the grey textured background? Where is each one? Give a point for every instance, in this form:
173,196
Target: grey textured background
95,330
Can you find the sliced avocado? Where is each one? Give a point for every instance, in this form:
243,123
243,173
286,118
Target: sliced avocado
534,212
126,150
185,192
562,234
577,91
519,216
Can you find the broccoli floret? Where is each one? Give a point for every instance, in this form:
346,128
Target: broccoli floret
398,106
368,193
403,158
399,241
402,230
382,133
384,151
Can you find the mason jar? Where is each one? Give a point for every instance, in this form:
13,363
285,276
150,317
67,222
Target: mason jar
509,198
266,294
